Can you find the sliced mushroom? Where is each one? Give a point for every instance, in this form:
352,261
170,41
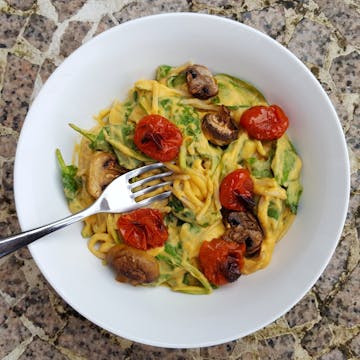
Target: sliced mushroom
201,84
132,266
103,169
242,226
219,127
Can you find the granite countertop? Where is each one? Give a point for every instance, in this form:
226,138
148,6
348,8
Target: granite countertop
36,36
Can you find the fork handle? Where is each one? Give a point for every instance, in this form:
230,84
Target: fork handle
15,242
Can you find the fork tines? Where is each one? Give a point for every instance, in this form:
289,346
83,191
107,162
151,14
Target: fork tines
151,186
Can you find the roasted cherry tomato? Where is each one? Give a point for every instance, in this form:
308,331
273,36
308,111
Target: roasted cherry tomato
265,122
236,190
158,138
221,261
143,228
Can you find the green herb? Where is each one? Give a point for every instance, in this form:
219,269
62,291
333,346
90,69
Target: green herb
174,251
71,182
176,80
293,192
175,204
189,120
174,256
135,96
251,161
162,72
289,160
260,168
165,104
180,211
98,142
122,135
237,93
273,211
170,218
286,166
215,100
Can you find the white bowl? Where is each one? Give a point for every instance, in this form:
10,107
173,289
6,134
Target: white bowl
103,70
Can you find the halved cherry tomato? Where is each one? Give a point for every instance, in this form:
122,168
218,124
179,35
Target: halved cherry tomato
143,228
158,138
221,260
265,122
236,190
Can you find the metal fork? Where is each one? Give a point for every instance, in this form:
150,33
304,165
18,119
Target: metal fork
118,197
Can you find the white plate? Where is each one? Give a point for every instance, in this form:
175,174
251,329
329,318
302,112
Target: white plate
103,70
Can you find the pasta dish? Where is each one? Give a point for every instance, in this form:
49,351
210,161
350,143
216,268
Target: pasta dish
235,180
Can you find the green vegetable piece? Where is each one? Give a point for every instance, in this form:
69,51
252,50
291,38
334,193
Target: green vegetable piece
128,107
180,211
286,164
237,94
165,104
121,139
187,119
174,251
97,142
293,192
215,100
260,168
173,255
135,96
162,72
176,81
273,211
71,182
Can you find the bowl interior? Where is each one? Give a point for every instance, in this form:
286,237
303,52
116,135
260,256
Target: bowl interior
103,70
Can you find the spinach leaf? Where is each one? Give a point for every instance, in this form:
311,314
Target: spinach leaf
189,120
293,192
261,168
180,211
174,251
71,182
215,100
173,255
97,142
176,80
237,93
120,137
273,211
162,72
165,104
286,166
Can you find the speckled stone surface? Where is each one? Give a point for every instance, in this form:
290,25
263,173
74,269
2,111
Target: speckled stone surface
36,36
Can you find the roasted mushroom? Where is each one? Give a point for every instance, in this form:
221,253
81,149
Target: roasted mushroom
230,269
242,226
103,169
219,128
201,84
132,266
